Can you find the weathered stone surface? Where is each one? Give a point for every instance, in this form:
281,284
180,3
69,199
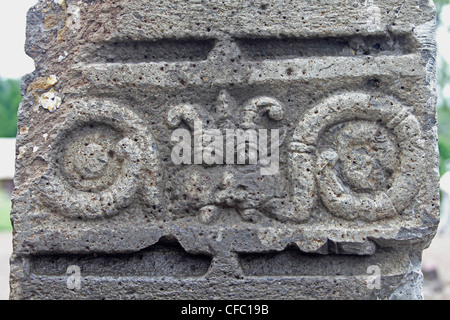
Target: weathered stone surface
349,84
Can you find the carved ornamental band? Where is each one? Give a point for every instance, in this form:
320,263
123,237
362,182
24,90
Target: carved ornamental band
209,149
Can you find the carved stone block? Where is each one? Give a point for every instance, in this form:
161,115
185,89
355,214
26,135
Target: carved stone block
332,194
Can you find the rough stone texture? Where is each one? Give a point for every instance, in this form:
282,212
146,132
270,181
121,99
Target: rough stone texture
349,84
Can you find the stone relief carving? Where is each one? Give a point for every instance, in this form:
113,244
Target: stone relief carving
343,152
361,177
352,190
367,159
237,187
105,156
356,173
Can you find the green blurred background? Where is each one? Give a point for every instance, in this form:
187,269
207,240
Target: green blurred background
10,98
9,101
443,106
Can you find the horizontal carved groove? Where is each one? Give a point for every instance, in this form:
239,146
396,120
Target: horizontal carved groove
169,50
293,262
161,259
289,48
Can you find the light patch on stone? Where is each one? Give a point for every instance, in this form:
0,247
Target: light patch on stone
62,57
219,236
23,130
270,236
73,20
52,80
50,100
22,151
